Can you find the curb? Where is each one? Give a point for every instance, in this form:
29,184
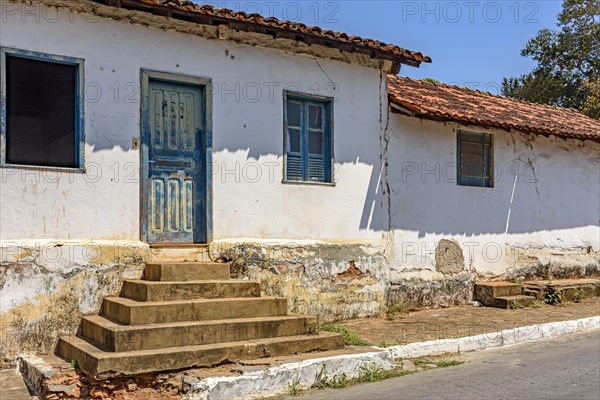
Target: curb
276,380
503,338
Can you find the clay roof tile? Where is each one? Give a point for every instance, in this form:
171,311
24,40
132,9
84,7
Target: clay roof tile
452,103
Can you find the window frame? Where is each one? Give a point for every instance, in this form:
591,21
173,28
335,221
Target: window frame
78,112
485,136
328,102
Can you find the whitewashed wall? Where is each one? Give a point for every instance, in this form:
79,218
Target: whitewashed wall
545,203
249,199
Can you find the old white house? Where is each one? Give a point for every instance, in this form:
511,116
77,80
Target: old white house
484,187
137,129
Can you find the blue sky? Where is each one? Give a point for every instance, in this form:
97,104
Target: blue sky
472,43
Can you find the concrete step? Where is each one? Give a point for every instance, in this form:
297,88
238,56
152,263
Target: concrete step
569,289
536,292
131,312
116,337
485,292
186,271
165,291
102,364
513,301
192,253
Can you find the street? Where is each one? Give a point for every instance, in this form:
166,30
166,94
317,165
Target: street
565,368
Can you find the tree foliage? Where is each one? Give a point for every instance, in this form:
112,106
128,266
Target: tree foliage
568,62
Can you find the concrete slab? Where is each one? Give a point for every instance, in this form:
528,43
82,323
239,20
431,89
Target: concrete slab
12,386
100,363
131,312
164,291
569,289
118,337
186,271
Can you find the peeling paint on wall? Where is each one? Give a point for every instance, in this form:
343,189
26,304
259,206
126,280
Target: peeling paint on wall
332,281
45,288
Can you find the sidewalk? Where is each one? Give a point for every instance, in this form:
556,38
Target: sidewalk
463,321
424,330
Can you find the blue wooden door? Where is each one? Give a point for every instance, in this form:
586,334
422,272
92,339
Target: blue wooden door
174,210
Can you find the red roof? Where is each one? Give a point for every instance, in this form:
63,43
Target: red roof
209,15
441,102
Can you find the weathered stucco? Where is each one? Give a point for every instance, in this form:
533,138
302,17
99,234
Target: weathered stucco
248,83
540,220
45,287
330,280
395,231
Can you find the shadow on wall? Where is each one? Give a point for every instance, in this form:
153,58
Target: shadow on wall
541,184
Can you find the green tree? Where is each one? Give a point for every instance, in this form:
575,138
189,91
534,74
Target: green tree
568,62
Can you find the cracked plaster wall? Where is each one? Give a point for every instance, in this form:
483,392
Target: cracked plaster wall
543,224
46,286
540,220
330,280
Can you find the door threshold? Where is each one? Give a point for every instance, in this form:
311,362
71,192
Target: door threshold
178,245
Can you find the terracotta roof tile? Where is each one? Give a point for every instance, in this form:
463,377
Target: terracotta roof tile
312,34
443,102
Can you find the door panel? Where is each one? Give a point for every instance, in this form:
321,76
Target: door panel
176,179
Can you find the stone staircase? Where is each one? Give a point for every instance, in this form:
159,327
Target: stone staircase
188,314
501,294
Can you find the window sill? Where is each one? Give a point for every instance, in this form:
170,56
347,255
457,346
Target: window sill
308,183
74,170
475,186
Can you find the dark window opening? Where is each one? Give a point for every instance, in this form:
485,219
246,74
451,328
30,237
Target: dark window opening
474,159
41,113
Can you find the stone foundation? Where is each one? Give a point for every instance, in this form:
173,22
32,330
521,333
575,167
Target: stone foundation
332,281
415,294
46,286
548,264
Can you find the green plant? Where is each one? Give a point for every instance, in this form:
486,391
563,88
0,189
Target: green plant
519,281
338,381
566,62
418,362
401,307
448,363
322,376
373,373
386,344
578,295
74,364
536,304
514,304
351,338
294,387
370,373
553,298
335,382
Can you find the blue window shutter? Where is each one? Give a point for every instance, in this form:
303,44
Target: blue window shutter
294,167
294,170
315,141
316,168
308,141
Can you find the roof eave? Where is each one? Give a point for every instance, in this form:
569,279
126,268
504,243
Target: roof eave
401,109
275,32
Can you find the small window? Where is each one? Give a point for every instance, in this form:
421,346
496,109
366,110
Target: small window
307,139
474,159
42,110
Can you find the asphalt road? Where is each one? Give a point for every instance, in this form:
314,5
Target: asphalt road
566,368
